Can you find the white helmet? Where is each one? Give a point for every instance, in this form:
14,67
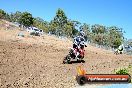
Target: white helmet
82,33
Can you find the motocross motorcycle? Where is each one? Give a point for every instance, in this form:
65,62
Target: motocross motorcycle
75,54
117,51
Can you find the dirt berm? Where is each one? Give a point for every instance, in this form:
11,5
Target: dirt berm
36,62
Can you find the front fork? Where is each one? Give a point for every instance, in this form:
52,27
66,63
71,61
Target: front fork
76,54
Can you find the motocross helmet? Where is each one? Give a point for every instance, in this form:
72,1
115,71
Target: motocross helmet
82,33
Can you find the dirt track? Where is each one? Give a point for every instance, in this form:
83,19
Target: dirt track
36,62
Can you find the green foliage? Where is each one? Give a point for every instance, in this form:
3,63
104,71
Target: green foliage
75,27
60,20
74,32
60,17
15,17
115,36
62,26
130,67
99,39
41,24
110,36
123,71
98,29
86,28
2,14
26,19
68,27
7,17
117,42
99,34
52,27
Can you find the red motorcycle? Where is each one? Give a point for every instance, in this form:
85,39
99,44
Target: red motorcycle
75,54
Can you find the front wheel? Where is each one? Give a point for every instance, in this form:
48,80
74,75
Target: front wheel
67,60
81,80
116,52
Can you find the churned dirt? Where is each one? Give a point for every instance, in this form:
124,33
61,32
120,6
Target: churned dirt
36,62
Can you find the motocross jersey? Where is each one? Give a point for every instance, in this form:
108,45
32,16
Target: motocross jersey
79,40
120,48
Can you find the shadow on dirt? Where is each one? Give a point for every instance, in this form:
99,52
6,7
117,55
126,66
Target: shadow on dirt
73,62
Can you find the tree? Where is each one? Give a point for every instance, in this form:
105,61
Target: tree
68,28
115,36
52,27
60,19
41,24
15,17
71,28
98,34
86,28
26,19
62,26
7,17
2,14
76,26
98,28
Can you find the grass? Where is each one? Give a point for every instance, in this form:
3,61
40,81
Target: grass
127,70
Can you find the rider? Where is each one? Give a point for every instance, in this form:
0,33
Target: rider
79,41
120,48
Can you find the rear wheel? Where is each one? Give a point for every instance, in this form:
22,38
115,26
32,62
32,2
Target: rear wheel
83,61
120,52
